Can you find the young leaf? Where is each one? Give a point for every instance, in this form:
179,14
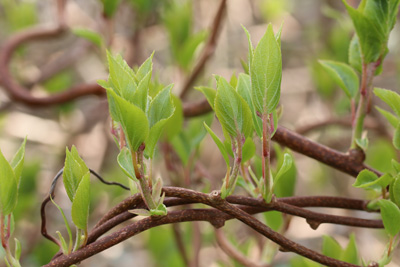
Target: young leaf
121,78
248,149
145,68
394,191
17,249
160,110
389,116
331,248
287,163
396,137
219,144
133,120
371,40
390,216
66,225
266,73
80,203
232,111
125,162
244,90
161,210
251,49
390,98
209,93
350,254
64,246
74,169
355,54
89,35
343,75
110,7
8,187
369,180
18,161
174,124
139,98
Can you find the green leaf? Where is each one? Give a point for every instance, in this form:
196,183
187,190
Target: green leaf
209,93
161,210
140,97
89,35
355,54
74,169
287,163
18,161
175,123
133,120
125,162
248,149
389,116
369,180
266,73
219,144
372,41
145,68
232,111
64,246
396,165
251,49
121,78
8,187
362,143
80,203
390,216
274,220
69,247
343,75
331,248
160,110
389,97
396,137
244,90
394,190
17,249
350,254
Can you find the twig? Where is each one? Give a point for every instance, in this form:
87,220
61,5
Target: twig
52,195
207,51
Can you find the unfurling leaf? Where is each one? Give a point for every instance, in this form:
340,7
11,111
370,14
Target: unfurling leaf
232,111
80,203
390,98
74,169
8,187
126,163
219,144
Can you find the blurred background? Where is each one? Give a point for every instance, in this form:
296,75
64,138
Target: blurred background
177,31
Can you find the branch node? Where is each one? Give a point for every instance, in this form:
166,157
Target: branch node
357,155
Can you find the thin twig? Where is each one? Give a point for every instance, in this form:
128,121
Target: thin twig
207,51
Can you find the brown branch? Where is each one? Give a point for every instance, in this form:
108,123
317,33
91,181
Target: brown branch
217,219
208,50
20,93
350,163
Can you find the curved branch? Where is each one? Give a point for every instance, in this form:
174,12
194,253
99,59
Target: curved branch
217,218
208,50
20,93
